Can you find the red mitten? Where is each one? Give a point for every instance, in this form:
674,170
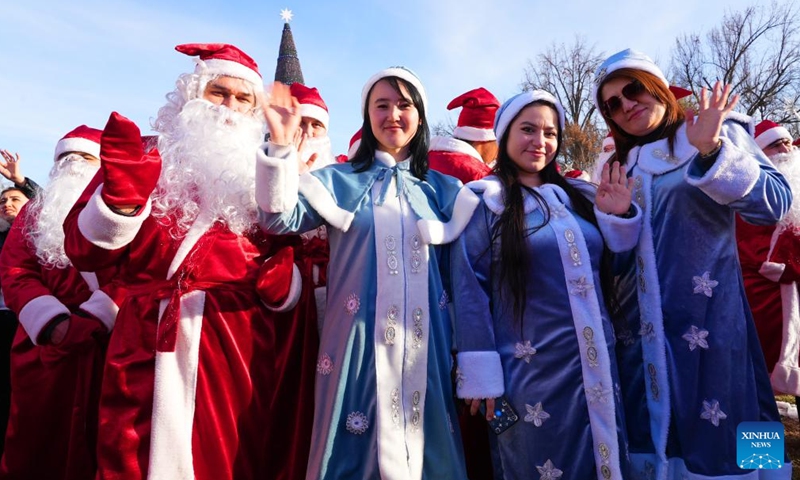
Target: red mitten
129,175
787,252
276,285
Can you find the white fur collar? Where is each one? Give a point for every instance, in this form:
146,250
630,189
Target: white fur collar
494,197
449,144
386,159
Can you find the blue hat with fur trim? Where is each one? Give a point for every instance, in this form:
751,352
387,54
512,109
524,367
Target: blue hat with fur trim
515,104
627,58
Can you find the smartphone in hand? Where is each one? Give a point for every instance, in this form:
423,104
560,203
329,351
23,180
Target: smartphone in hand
504,415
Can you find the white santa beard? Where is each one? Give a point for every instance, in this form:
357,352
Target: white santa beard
322,147
68,178
789,165
208,155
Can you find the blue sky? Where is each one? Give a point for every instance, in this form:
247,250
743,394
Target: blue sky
72,63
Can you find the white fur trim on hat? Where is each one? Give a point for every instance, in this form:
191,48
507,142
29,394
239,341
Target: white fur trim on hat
76,144
627,58
215,66
515,104
315,112
351,152
772,135
399,72
474,134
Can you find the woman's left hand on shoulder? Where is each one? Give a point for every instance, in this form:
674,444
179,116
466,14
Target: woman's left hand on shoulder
615,190
703,130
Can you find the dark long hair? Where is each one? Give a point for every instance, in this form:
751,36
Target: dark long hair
673,115
510,228
418,147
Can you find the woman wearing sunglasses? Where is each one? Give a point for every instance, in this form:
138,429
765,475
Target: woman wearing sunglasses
690,361
532,327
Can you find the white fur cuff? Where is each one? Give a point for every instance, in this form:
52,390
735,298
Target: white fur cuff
772,271
434,232
732,176
276,178
106,229
480,375
38,312
620,234
102,307
294,292
786,379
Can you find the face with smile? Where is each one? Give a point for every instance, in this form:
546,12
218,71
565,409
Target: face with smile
638,116
533,141
393,117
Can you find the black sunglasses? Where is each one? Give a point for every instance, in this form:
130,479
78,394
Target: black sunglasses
629,91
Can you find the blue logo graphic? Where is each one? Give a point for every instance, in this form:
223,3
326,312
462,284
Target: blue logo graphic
759,445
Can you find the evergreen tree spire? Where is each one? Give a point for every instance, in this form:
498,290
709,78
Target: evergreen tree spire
288,69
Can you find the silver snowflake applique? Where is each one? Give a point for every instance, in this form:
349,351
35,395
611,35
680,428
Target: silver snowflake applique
626,337
524,351
647,331
703,284
444,300
597,394
580,286
536,414
324,365
696,338
460,377
559,210
548,471
712,412
352,304
357,423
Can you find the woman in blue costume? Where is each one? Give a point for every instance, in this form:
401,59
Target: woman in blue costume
690,361
384,401
531,317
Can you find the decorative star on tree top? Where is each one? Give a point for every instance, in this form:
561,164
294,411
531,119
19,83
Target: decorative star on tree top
286,15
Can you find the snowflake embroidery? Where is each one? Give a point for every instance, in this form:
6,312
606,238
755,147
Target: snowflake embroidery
525,351
548,471
559,210
324,365
712,412
444,300
357,423
704,284
580,286
460,377
597,394
626,337
647,331
649,472
696,338
352,304
536,414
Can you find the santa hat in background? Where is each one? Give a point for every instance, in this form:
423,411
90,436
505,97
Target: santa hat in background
475,122
83,139
679,92
796,143
609,142
355,141
399,72
768,132
580,174
311,103
627,58
222,59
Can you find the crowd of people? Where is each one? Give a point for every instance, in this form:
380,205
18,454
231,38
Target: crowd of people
205,304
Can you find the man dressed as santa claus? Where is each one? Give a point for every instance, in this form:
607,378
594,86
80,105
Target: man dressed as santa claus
189,389
770,257
64,316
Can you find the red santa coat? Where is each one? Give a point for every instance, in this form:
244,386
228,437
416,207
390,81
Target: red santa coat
53,421
771,269
190,378
456,158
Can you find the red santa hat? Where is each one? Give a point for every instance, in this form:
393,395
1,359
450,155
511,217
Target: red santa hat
609,141
355,141
796,143
768,132
399,72
82,139
679,92
475,122
222,59
311,103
